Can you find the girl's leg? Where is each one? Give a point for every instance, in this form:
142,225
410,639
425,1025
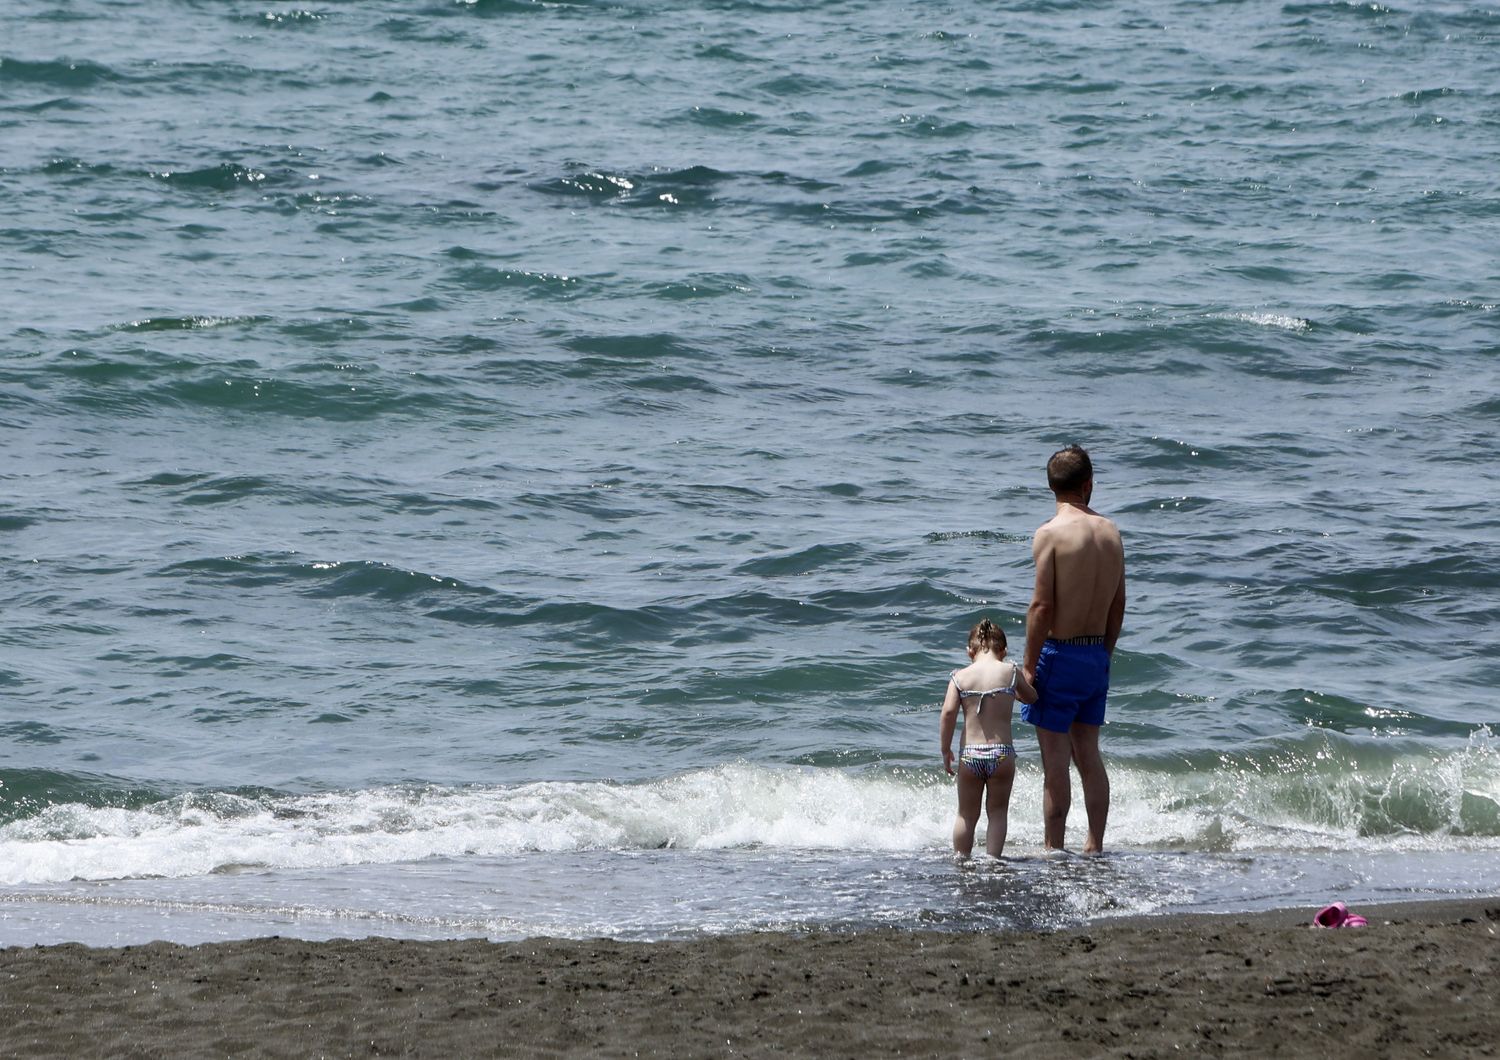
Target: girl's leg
997,807
970,794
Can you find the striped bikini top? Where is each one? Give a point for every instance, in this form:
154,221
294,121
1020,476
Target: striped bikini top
1008,690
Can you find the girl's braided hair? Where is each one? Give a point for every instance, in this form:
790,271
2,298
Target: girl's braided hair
987,635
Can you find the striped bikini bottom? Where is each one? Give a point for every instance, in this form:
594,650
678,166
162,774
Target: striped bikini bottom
984,758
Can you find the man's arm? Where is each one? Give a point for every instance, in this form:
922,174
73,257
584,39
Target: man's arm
1116,616
1043,599
1024,692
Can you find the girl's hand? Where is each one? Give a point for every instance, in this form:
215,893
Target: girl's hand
948,760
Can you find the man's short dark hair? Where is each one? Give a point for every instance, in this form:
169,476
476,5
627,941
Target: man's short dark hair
1069,469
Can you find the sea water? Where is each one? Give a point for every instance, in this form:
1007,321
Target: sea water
503,468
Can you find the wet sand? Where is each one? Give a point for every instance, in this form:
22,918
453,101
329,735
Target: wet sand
1421,979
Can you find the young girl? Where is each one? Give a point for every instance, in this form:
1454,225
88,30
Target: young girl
986,690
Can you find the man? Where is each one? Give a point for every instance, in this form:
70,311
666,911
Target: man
1074,620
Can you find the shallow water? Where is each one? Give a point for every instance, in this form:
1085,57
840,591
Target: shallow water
458,444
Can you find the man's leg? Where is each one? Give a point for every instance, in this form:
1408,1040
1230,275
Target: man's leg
1057,785
1091,772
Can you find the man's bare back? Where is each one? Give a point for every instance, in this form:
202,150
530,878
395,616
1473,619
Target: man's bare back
1080,567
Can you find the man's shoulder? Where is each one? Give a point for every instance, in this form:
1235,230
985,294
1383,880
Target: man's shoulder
1045,534
1075,527
1051,526
1070,521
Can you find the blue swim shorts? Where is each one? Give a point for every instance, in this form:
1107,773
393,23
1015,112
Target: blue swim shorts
1072,681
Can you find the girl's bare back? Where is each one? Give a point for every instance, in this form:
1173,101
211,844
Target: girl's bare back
987,716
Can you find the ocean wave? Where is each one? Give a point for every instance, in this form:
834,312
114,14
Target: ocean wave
62,73
801,561
701,285
690,186
321,578
715,118
226,176
60,103
1355,9
200,488
1154,340
76,166
26,792
187,323
535,284
927,126
636,347
728,807
282,18
148,382
438,597
506,7
1315,795
1396,584
1284,321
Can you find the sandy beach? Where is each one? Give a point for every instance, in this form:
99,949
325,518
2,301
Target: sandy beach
1419,980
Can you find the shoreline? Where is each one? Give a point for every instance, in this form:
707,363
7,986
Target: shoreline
1421,978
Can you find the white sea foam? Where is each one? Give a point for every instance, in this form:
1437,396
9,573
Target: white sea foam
728,807
1268,320
1416,802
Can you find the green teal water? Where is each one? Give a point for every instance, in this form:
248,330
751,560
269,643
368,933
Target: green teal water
449,432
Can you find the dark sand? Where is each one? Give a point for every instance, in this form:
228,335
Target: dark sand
1421,980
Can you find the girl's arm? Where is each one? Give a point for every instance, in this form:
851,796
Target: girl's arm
947,724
